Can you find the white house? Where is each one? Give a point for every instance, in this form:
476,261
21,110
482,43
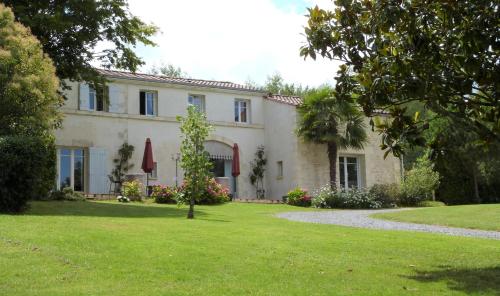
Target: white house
145,106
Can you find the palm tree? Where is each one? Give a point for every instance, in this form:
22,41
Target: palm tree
324,119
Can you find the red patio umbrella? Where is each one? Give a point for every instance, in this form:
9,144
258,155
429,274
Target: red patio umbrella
147,162
235,169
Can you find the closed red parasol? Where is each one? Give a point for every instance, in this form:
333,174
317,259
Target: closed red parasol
147,162
235,170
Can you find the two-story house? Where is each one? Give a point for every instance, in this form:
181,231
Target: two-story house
141,106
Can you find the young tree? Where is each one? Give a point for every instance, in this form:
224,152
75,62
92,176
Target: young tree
194,159
324,119
122,165
440,53
258,167
70,31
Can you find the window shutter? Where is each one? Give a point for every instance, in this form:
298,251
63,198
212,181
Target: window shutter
98,171
142,99
84,96
116,98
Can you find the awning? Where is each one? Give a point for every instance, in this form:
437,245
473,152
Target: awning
218,150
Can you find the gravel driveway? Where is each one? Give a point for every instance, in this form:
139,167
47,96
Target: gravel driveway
360,218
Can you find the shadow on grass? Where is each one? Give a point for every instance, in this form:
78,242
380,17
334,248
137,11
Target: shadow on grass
103,209
474,280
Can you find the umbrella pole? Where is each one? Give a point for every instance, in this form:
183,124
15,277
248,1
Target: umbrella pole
147,184
235,189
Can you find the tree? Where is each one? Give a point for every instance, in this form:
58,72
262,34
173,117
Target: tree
71,31
28,84
258,167
420,182
168,70
275,84
325,119
194,159
28,115
440,53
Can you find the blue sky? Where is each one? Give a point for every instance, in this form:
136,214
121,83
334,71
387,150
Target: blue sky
233,40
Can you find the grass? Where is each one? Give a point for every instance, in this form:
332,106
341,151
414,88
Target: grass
486,217
105,248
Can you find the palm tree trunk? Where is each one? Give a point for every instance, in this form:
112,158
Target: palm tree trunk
332,158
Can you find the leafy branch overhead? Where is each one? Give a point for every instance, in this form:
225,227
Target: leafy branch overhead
442,54
72,31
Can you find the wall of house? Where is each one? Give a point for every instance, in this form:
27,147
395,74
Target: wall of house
280,145
110,130
272,124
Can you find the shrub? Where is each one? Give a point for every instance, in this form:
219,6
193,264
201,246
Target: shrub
298,197
345,199
121,198
430,203
27,170
164,194
324,198
134,190
419,183
213,193
389,195
66,193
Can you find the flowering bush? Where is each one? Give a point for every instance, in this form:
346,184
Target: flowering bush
164,194
353,198
298,197
122,199
134,190
388,194
213,193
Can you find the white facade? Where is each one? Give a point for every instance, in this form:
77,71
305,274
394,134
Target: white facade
99,134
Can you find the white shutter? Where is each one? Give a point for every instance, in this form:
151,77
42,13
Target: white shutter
98,170
84,96
116,98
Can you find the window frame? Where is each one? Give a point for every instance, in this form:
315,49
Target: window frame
202,101
345,171
154,173
155,102
279,164
72,166
96,97
238,108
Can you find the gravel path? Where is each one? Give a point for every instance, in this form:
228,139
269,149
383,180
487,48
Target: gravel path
360,218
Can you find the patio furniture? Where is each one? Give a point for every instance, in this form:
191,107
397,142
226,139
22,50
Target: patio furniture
114,185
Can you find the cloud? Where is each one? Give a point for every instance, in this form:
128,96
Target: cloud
232,40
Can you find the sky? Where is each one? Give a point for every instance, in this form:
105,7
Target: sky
233,40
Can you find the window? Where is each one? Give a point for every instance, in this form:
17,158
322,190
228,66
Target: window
218,167
154,172
280,169
71,173
148,103
197,101
349,172
97,98
241,111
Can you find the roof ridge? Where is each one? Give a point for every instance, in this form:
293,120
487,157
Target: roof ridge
182,80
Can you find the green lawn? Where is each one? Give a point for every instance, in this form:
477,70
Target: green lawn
485,217
97,248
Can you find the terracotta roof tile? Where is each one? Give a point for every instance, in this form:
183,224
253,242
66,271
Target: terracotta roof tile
175,80
290,100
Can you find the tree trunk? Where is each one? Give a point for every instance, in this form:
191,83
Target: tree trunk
476,187
332,158
191,208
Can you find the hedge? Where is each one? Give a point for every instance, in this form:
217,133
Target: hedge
27,170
